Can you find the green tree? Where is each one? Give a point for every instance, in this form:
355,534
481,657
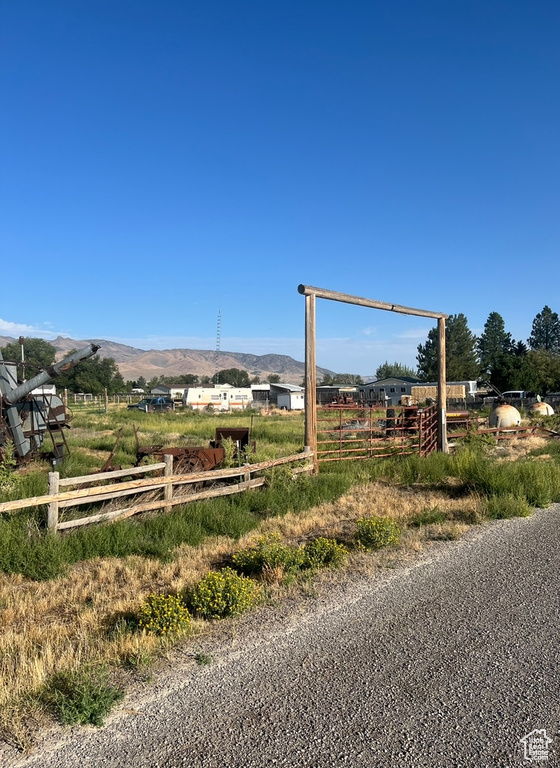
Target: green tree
493,344
141,383
545,333
273,378
38,354
234,376
542,373
460,352
183,380
388,370
93,375
347,379
497,355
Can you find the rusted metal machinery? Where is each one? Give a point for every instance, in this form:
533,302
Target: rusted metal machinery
197,458
26,417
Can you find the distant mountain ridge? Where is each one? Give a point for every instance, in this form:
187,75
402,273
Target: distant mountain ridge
133,362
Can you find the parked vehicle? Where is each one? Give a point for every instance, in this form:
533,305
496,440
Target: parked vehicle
150,404
514,394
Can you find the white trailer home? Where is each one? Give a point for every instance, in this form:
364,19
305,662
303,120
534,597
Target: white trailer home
222,397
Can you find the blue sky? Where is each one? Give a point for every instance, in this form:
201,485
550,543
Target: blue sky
165,159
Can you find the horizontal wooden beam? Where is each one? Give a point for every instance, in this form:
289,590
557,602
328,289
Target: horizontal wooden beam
322,293
68,481
121,514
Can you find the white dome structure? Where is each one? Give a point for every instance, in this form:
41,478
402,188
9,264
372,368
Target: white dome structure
541,409
504,417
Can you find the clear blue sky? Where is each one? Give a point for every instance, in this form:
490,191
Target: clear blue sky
166,159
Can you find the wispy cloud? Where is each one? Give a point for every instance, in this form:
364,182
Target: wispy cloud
21,329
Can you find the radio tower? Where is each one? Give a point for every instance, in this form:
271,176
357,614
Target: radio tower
218,339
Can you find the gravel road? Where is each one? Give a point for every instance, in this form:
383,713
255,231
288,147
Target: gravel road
448,661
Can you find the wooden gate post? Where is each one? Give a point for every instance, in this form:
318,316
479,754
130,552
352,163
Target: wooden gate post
442,388
311,379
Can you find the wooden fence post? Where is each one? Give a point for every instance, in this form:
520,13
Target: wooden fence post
167,472
247,474
52,515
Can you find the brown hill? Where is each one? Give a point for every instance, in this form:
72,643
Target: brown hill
133,362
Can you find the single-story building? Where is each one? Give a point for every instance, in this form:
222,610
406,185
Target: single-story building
388,391
261,395
288,397
175,392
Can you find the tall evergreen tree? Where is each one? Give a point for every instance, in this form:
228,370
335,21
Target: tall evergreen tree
460,352
496,350
427,356
493,344
545,333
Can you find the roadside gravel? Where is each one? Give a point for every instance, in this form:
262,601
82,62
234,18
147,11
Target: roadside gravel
446,661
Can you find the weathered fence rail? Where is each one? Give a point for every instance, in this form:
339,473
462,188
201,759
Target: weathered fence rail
59,500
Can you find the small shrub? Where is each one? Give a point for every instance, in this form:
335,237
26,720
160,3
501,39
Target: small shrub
164,615
377,532
428,517
268,553
323,553
223,593
202,659
507,506
82,697
229,452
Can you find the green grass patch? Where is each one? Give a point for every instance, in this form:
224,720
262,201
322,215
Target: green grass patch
507,506
430,516
83,697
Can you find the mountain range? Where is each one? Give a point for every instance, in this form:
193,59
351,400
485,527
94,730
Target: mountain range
133,362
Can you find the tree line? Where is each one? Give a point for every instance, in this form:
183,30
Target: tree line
495,356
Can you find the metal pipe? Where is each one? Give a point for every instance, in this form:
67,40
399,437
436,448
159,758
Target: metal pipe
13,395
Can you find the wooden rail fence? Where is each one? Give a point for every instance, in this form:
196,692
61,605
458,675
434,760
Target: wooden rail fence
59,500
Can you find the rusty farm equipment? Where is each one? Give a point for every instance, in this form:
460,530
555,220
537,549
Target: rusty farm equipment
198,458
28,415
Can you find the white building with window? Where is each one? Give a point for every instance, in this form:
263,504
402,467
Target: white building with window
388,391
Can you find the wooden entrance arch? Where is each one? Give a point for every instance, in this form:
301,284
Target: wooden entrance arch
311,294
